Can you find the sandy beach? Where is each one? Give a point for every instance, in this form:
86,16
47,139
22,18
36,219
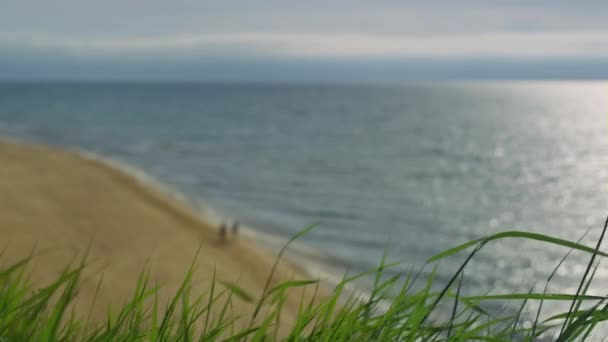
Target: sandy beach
57,204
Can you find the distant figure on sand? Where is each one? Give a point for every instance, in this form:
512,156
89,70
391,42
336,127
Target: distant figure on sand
222,231
235,228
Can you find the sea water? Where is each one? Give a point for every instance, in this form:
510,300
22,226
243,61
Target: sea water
411,169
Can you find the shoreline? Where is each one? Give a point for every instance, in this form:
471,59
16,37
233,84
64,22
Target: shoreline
42,183
267,242
164,194
183,205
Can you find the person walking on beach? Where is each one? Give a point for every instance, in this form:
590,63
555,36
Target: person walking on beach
235,228
222,232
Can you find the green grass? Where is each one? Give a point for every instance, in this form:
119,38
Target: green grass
395,310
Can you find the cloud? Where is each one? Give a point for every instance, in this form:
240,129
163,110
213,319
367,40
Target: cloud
63,38
591,44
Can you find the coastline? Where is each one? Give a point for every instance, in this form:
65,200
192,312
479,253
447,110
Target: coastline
266,242
61,204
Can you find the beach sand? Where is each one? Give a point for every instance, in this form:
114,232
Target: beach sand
58,204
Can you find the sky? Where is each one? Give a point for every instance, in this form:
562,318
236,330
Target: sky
331,40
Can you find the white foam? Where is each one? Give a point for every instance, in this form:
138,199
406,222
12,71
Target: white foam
314,264
206,212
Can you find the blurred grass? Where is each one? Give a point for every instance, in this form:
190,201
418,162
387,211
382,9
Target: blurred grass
393,311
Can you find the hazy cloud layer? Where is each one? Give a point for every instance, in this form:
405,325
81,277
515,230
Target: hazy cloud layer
114,35
330,45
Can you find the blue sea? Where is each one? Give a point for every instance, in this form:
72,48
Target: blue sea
412,169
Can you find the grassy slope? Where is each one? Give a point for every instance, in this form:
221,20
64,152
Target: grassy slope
43,315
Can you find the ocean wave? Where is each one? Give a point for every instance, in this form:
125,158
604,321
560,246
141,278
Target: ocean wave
144,178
